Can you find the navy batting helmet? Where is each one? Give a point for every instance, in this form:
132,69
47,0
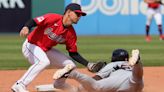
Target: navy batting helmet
119,55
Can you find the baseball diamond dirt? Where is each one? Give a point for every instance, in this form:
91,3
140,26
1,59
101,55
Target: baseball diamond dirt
153,79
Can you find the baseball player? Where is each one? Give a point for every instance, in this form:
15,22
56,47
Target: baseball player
154,11
121,75
51,29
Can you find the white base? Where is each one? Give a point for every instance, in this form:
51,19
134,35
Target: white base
46,88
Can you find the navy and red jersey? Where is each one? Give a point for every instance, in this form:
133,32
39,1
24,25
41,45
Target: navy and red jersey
50,32
154,5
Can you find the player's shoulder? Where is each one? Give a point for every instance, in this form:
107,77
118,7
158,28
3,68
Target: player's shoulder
54,15
118,62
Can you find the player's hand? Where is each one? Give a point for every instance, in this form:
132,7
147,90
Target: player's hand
95,67
24,32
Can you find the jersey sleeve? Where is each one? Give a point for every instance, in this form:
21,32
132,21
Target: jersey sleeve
71,43
112,67
40,20
45,19
107,70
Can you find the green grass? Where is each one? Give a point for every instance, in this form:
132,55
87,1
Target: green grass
93,48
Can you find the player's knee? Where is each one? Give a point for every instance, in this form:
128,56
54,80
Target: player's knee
44,64
66,62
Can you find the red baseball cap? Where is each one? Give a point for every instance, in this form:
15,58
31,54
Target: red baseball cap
76,8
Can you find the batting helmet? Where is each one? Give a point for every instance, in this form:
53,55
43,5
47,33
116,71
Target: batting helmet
119,55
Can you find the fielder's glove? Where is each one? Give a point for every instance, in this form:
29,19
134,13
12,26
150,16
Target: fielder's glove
95,67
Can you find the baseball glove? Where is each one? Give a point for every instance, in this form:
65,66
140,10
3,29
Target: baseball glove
95,67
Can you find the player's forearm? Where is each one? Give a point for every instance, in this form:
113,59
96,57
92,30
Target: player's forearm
27,27
138,70
30,23
77,57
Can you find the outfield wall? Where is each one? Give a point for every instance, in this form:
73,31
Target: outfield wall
105,17
40,7
113,17
14,13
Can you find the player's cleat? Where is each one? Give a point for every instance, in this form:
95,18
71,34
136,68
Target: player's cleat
135,57
63,73
148,38
18,87
161,37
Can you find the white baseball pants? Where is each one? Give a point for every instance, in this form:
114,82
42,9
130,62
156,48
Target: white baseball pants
156,13
40,60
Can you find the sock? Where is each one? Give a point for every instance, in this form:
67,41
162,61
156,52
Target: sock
160,29
147,30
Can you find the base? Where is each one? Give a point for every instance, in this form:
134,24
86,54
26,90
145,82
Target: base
46,88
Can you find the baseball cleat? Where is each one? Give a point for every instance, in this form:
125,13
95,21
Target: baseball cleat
135,57
17,87
148,38
161,37
63,73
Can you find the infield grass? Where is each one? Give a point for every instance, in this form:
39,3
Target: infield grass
93,48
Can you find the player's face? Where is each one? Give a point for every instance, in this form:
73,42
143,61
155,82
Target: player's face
70,18
74,17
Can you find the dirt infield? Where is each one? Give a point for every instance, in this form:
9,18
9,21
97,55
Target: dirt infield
153,79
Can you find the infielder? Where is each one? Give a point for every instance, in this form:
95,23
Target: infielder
121,75
52,29
154,10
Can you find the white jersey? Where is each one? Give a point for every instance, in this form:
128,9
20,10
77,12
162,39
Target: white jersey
117,77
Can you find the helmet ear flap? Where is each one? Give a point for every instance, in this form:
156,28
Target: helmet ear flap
113,59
